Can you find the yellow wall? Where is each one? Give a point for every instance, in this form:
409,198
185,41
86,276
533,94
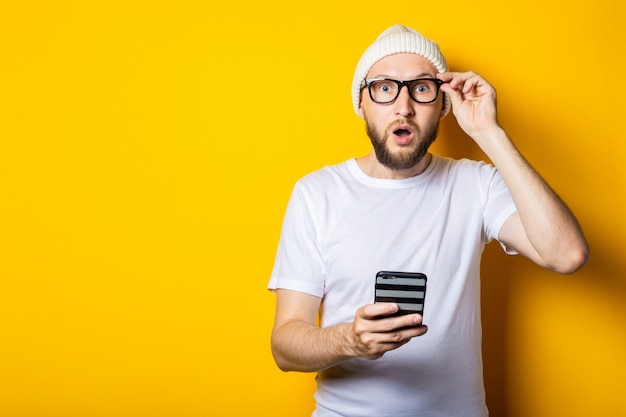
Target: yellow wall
148,149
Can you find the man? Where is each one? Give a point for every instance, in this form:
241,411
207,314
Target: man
401,208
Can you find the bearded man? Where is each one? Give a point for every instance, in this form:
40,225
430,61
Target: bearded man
402,208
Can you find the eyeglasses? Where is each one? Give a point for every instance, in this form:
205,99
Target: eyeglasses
386,90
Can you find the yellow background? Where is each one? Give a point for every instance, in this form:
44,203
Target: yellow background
147,152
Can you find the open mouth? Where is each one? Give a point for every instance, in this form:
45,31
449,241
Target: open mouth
401,132
403,135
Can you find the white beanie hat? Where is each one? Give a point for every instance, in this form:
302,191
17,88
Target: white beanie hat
397,39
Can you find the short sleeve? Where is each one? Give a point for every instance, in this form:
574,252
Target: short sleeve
298,265
499,205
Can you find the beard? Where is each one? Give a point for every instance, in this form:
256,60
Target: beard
401,160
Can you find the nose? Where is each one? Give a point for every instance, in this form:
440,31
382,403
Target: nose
403,105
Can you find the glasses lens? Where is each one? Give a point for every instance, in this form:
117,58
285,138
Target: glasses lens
424,91
383,91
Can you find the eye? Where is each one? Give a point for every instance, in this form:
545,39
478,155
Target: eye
422,87
384,86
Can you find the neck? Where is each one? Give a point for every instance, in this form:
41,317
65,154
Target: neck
372,168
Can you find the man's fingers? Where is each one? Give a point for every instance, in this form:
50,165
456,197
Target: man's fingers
376,331
374,311
384,310
463,82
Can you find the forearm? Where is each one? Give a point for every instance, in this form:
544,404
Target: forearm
548,223
299,346
543,228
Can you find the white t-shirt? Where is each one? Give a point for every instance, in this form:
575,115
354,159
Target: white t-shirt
342,227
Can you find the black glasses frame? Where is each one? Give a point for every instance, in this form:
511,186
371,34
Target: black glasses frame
368,84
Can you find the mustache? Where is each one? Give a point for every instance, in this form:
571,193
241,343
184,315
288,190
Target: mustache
402,122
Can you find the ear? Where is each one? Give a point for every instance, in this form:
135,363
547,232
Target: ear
360,112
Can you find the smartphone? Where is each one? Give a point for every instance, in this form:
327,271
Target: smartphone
407,289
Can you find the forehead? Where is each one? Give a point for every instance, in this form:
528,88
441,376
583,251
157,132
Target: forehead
402,67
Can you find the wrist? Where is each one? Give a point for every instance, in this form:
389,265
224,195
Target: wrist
489,133
347,341
491,139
